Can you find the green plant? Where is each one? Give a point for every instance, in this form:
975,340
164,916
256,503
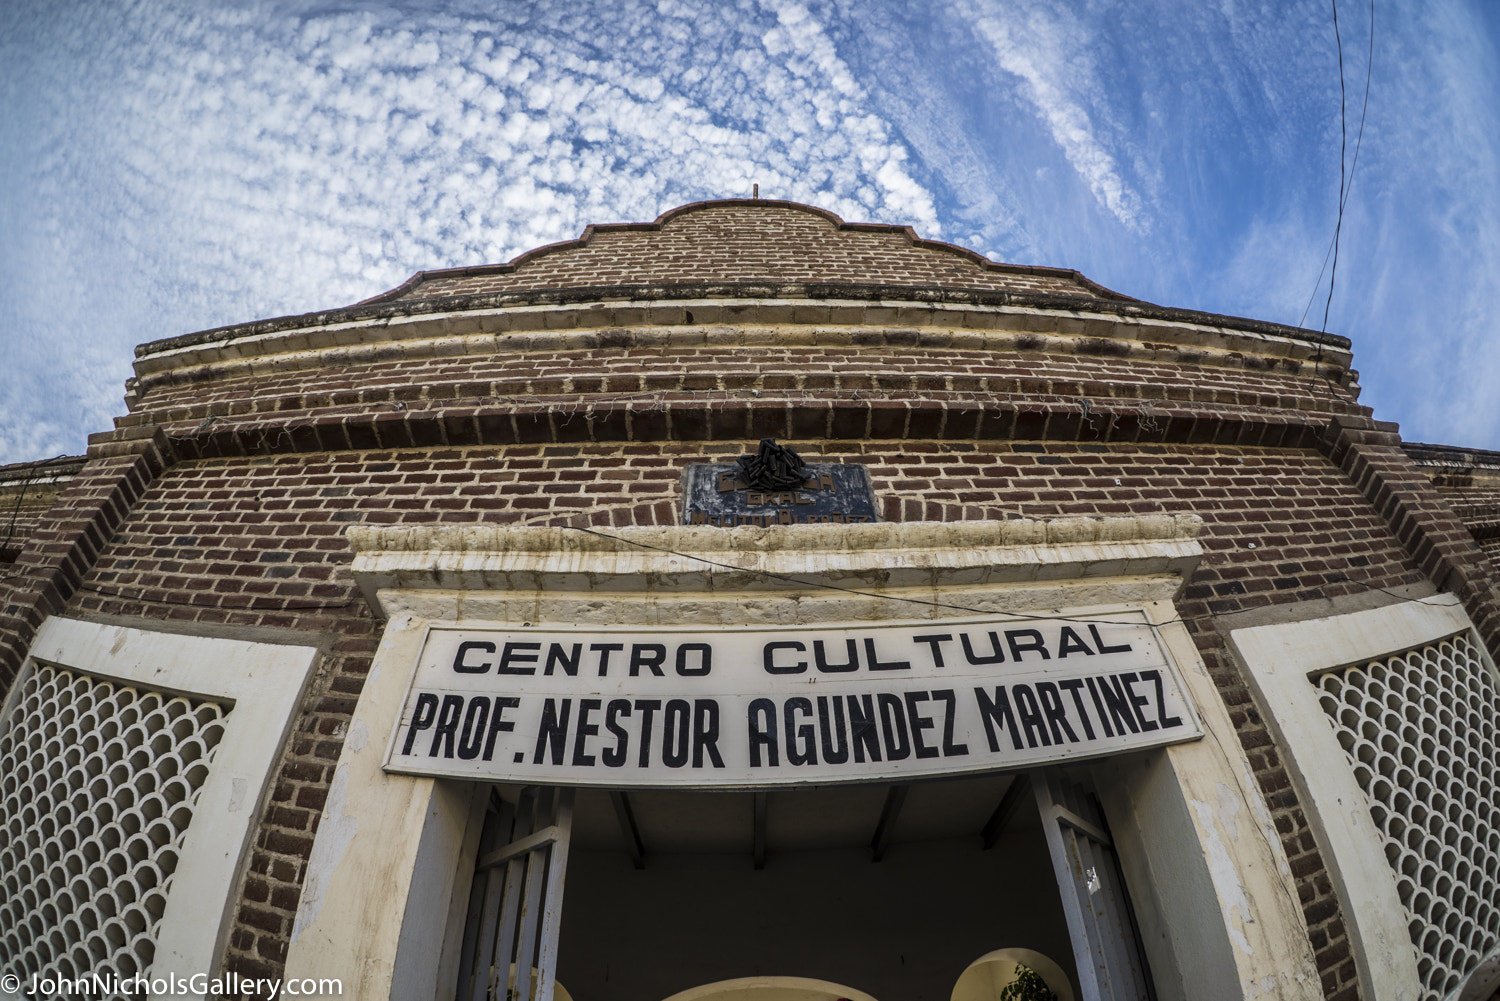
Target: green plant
1028,986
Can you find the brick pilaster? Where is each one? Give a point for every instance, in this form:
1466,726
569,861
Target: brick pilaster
120,466
1370,454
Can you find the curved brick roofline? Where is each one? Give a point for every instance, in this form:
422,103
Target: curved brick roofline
1069,291
407,287
377,312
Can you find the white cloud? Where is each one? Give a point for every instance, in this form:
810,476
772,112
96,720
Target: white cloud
1048,49
1424,242
256,162
172,166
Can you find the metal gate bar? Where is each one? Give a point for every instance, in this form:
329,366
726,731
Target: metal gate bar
515,904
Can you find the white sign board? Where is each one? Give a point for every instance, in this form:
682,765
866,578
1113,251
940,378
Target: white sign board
769,706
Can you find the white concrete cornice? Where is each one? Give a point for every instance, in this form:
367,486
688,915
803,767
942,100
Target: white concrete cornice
726,561
526,327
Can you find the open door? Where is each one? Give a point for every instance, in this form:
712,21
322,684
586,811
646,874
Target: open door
1106,943
515,905
843,893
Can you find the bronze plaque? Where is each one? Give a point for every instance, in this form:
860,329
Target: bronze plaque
721,494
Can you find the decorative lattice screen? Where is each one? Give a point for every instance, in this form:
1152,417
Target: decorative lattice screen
1419,729
98,781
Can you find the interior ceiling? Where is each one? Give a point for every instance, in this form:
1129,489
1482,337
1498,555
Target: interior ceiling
843,816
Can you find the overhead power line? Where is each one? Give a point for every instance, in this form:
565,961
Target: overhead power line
1346,179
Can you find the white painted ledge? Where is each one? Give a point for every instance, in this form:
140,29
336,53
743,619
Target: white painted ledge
1279,662
519,328
714,560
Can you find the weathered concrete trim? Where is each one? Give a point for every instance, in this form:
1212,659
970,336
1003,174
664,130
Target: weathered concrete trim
815,293
264,682
1451,456
1213,891
523,326
368,848
789,607
712,561
41,472
1278,661
371,539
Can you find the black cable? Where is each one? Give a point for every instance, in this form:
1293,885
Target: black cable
1341,578
1020,616
825,585
1316,285
1343,148
1344,188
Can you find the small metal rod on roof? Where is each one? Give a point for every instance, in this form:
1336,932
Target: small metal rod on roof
895,798
762,803
629,828
1015,793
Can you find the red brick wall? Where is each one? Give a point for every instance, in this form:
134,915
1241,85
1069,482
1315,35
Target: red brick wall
1440,543
66,542
222,500
609,377
255,541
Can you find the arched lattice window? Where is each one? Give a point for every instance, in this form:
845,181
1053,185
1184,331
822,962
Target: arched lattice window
131,766
98,782
1420,732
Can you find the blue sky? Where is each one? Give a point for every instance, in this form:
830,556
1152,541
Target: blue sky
172,166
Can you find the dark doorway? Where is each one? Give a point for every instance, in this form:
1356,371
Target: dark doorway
896,903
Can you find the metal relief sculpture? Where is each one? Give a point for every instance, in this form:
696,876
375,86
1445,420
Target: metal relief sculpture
775,486
773,467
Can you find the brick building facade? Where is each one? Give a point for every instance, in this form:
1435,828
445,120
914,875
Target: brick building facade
510,443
